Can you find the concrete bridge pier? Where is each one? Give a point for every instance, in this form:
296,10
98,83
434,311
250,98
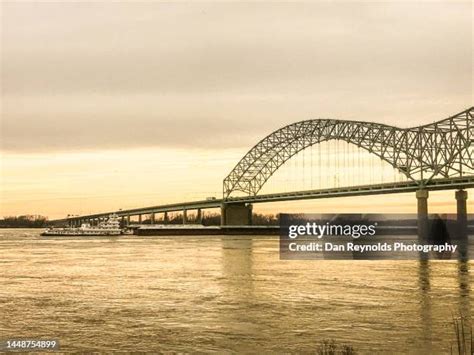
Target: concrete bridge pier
185,216
461,202
128,220
461,198
152,218
236,214
166,218
422,198
199,216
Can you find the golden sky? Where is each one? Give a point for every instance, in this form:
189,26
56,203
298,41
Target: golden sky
108,105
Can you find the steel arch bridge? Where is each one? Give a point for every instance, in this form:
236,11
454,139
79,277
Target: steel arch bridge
444,149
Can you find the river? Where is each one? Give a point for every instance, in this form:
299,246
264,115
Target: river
201,294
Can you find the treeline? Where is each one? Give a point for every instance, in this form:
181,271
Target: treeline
24,222
214,219
208,219
260,219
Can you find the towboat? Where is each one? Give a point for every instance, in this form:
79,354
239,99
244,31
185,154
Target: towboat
110,227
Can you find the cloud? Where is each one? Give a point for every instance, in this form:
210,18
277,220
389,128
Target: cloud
217,75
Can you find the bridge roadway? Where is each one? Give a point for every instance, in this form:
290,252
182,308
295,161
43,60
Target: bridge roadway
363,190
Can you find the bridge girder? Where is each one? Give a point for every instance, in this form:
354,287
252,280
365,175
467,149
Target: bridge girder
441,149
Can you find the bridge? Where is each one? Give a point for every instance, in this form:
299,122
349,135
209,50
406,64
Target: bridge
435,156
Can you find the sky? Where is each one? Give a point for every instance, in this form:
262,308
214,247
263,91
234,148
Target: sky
108,105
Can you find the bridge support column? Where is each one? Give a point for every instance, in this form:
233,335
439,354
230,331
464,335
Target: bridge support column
166,218
236,214
139,219
422,197
152,218
199,216
185,216
128,220
461,198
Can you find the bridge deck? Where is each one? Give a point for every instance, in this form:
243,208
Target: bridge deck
378,189
387,188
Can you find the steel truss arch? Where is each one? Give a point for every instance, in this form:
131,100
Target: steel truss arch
440,149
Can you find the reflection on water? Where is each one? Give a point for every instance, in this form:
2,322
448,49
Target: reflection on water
464,289
425,303
429,303
221,294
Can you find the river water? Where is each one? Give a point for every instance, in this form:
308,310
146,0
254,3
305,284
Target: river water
191,294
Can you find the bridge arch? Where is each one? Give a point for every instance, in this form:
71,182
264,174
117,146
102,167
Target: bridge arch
440,149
